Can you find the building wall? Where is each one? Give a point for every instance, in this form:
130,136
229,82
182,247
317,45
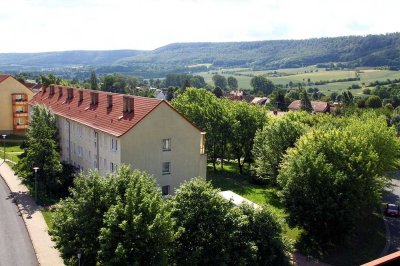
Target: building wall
86,148
142,147
7,88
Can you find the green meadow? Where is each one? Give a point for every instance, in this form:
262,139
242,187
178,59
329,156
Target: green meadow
306,74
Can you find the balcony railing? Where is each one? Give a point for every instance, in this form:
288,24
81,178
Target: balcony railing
21,114
20,127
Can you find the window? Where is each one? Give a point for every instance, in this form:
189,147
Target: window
166,168
166,144
105,164
112,167
165,190
114,144
80,151
202,143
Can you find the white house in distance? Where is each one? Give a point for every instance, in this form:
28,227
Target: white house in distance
101,130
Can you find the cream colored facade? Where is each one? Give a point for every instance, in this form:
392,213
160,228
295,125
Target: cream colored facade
14,105
141,147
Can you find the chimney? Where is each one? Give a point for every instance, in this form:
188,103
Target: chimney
51,89
80,95
60,91
94,97
109,101
70,93
128,104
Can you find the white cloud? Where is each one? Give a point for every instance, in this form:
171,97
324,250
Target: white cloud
49,25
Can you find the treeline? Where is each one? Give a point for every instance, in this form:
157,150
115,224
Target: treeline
122,219
332,53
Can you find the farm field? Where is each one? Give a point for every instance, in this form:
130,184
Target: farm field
295,75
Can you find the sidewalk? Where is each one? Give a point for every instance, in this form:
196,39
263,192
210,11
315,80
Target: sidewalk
33,218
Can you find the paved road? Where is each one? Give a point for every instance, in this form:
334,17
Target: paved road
15,245
393,195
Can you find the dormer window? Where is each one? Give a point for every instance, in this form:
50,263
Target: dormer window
109,101
128,104
81,95
94,98
51,89
70,93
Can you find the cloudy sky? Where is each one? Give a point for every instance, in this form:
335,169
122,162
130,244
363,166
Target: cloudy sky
57,25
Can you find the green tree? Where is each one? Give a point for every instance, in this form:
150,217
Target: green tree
278,99
202,216
205,111
246,119
137,229
218,92
347,98
335,173
93,80
272,141
257,239
232,83
50,79
373,101
219,81
42,150
305,103
262,84
77,221
121,214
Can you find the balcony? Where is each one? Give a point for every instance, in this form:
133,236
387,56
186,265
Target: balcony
20,127
21,114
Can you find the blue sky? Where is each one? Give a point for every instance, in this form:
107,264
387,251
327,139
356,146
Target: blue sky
57,25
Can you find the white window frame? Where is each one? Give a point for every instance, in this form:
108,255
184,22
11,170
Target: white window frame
166,144
166,168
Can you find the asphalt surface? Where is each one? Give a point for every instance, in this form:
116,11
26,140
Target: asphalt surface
15,245
393,196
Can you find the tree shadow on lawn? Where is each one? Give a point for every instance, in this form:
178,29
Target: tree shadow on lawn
364,244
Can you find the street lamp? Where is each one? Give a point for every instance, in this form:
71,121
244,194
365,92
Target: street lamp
79,257
36,169
4,146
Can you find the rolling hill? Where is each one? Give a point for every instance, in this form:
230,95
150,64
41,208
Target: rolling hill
350,51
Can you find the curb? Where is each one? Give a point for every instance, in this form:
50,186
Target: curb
23,218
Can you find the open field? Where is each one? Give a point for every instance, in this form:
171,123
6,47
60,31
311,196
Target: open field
284,76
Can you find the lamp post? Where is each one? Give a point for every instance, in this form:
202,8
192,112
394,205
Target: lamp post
4,146
79,257
36,169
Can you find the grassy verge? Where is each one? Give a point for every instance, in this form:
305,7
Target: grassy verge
230,179
12,149
48,217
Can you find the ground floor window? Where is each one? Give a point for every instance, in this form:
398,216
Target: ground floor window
165,190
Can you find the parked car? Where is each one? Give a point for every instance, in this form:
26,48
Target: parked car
392,209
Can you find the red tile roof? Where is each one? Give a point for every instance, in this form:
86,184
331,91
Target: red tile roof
391,259
3,77
110,120
316,105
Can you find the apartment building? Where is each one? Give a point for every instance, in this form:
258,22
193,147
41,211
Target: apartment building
100,130
14,105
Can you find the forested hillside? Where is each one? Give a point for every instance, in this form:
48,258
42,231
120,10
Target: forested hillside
350,51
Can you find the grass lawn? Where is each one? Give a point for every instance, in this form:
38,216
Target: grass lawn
12,151
48,217
229,179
